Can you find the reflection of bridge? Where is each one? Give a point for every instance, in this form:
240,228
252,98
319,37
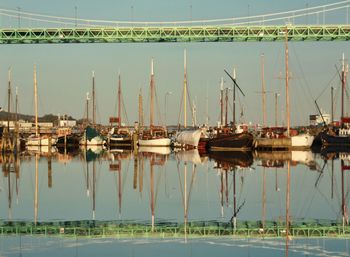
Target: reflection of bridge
193,229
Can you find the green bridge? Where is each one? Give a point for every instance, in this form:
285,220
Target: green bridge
146,34
175,230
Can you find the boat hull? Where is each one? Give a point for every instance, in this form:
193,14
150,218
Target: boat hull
334,140
231,142
302,141
120,142
95,141
68,141
189,139
154,142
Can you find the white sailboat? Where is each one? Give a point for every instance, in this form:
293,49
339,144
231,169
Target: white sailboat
37,139
187,138
155,136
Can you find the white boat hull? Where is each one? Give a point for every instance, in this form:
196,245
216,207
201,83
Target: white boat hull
302,140
40,141
154,142
189,138
93,142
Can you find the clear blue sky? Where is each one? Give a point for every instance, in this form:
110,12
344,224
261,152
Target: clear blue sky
64,71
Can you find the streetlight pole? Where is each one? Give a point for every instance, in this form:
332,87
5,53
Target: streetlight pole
165,106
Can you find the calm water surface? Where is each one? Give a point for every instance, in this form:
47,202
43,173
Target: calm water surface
125,186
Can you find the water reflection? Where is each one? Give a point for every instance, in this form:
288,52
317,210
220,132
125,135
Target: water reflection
93,183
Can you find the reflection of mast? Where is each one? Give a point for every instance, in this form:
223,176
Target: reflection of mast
93,189
136,167
222,192
87,177
264,200
226,189
36,190
6,170
120,188
142,168
332,185
234,200
49,168
17,164
185,200
287,206
152,193
343,203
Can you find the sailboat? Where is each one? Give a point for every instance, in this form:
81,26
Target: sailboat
340,137
282,138
227,137
155,135
91,136
37,139
187,138
119,136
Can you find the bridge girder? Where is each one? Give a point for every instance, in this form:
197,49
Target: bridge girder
174,34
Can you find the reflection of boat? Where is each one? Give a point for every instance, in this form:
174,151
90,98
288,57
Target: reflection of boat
277,159
335,151
164,150
43,149
229,160
190,156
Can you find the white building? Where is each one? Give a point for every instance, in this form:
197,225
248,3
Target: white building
316,119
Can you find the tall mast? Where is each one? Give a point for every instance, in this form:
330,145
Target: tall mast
119,99
185,89
276,110
93,99
226,105
151,117
140,109
332,106
343,84
287,81
263,89
207,108
234,99
222,102
9,100
16,105
87,107
36,102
